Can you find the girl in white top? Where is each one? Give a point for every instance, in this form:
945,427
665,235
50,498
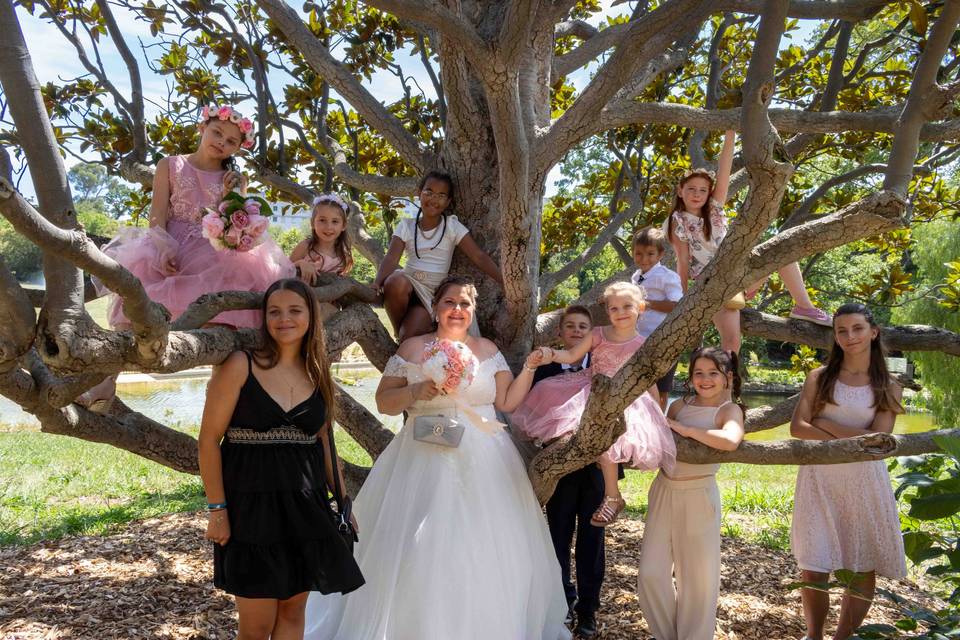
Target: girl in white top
845,515
681,541
697,226
428,240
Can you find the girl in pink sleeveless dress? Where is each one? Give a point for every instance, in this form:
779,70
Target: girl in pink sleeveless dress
845,515
172,259
554,406
328,249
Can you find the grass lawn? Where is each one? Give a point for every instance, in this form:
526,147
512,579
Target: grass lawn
757,501
52,486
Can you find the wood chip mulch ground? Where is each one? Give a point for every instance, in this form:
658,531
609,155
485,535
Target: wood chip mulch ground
154,580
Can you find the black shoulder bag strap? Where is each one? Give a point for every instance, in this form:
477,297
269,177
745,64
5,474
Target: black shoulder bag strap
344,504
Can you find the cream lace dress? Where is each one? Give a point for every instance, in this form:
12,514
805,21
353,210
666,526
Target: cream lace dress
845,515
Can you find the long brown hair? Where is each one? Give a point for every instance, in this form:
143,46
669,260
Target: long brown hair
727,362
313,347
342,245
707,175
880,380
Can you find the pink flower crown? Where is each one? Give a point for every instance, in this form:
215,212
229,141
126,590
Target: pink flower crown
226,113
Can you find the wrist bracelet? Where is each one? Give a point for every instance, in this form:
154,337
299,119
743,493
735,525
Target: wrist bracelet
529,368
216,505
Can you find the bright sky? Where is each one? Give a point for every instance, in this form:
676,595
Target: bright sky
56,60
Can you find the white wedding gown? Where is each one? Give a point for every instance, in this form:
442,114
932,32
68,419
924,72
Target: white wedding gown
453,544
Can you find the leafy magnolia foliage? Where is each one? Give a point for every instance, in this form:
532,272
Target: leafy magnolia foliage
637,167
934,260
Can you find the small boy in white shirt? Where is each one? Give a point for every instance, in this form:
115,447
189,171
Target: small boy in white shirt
662,288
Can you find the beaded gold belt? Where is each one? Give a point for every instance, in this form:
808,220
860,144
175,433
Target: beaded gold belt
278,435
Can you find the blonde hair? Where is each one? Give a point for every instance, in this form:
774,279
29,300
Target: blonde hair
627,290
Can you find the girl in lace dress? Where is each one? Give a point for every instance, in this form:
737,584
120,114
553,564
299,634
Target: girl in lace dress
454,544
555,405
428,241
845,515
172,259
697,226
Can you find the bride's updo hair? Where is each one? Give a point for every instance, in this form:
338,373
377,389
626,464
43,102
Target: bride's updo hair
455,281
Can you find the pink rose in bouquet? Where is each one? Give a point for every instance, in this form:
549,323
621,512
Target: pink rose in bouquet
246,243
232,236
239,219
236,224
212,226
258,224
449,364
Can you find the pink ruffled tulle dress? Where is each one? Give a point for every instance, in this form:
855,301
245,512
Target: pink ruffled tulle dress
554,406
200,268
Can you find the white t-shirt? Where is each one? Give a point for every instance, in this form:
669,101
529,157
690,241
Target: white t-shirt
659,283
434,257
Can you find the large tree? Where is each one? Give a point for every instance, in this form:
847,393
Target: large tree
502,109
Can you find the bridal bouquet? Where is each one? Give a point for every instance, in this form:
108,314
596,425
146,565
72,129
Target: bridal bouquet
448,364
237,224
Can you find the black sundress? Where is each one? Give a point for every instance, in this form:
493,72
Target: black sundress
283,540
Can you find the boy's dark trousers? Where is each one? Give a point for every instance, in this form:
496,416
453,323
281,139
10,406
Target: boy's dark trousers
576,498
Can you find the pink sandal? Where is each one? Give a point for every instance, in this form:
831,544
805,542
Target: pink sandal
607,512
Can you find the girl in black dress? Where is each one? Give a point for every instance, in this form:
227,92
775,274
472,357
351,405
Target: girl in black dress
266,469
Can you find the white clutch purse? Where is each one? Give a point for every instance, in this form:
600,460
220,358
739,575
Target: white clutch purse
439,430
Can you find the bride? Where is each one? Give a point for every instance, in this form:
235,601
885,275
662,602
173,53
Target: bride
453,544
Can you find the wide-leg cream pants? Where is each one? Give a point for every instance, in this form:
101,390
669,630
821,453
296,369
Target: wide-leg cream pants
681,544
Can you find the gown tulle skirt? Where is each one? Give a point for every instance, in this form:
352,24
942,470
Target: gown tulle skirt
201,269
453,545
554,406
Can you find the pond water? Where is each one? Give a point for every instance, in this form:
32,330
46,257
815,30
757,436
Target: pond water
180,402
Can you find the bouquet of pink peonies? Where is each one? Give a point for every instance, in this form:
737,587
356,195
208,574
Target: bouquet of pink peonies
237,224
449,364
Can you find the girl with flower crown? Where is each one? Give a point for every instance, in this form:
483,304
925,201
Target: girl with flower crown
173,258
328,249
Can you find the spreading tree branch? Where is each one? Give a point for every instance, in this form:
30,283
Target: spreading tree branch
896,338
646,38
149,319
923,102
343,80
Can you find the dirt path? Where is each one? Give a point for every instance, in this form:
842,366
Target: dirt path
154,581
